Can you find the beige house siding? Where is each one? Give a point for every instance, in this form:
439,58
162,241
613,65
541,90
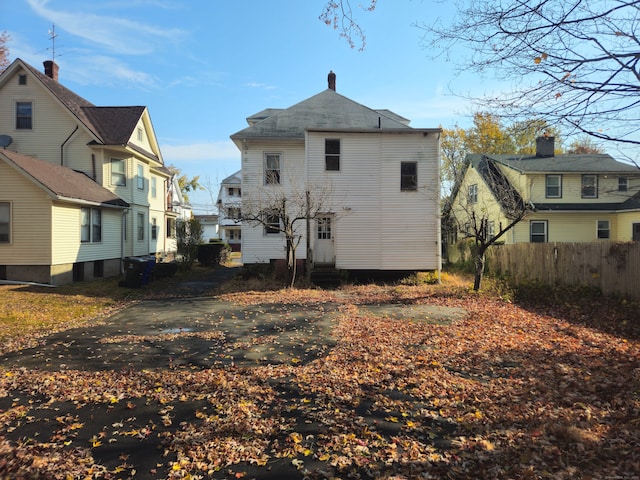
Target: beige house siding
30,220
66,230
51,124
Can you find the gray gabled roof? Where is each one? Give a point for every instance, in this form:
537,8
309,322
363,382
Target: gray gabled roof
60,182
569,163
233,179
326,110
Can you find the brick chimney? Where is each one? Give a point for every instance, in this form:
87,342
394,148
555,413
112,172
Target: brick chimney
51,69
332,80
545,146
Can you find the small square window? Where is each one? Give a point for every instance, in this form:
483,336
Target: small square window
538,231
623,184
408,176
22,79
272,224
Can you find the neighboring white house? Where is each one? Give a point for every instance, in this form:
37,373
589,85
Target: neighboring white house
382,178
81,186
229,211
209,225
179,210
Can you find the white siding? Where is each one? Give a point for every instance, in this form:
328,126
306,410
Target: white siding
259,247
377,226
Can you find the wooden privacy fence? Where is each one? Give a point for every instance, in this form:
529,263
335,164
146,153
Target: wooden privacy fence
614,267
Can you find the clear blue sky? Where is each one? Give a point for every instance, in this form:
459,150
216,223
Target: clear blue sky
203,66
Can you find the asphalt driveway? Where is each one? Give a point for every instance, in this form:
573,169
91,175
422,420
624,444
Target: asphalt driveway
196,332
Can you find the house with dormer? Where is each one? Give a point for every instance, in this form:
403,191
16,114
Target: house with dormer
571,197
371,180
81,186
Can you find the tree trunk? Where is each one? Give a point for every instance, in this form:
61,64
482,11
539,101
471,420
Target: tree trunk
479,264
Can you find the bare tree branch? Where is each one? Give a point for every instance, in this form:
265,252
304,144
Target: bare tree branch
574,63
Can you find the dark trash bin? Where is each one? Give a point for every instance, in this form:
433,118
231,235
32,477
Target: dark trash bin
134,268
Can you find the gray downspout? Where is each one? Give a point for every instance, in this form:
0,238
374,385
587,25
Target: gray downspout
63,144
123,229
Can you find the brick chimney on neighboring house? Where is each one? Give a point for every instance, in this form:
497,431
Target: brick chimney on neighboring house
545,146
51,69
332,80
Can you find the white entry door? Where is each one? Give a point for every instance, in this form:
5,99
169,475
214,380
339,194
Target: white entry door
324,245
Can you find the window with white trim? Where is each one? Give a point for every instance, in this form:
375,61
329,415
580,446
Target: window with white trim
140,177
140,226
154,187
623,184
589,186
272,224
272,168
553,186
24,115
90,225
5,222
538,231
604,230
154,229
118,172
473,193
324,228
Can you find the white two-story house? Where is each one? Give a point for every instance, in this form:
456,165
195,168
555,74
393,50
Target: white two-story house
81,186
378,180
230,211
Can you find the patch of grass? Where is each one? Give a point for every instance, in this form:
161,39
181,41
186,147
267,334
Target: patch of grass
44,310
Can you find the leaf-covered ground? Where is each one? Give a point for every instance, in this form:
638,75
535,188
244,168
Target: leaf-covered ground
389,390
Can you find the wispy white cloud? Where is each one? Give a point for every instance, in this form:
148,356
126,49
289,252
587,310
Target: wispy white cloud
104,70
116,35
261,86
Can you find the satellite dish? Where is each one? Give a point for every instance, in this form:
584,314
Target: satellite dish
5,141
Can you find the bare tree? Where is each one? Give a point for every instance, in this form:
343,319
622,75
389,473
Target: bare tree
339,14
288,212
572,62
4,51
476,219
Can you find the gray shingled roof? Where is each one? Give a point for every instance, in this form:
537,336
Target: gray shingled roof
62,182
570,163
327,109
